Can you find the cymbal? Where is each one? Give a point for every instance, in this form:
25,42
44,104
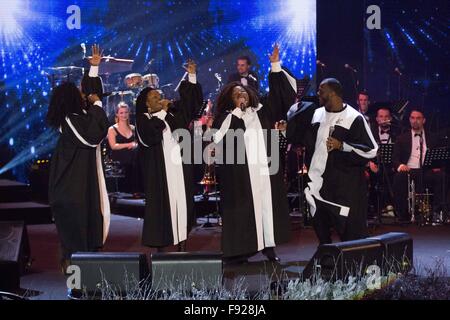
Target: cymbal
125,92
112,65
65,68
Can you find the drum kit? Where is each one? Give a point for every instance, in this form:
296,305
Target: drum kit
125,91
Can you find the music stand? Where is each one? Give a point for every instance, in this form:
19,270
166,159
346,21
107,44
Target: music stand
436,157
386,151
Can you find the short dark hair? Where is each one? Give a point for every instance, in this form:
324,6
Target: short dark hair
364,93
141,101
417,109
384,108
247,58
334,85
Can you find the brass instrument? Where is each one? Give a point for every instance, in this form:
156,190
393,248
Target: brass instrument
424,206
411,198
419,203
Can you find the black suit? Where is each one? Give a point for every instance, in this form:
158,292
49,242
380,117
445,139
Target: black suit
393,133
383,179
429,179
251,82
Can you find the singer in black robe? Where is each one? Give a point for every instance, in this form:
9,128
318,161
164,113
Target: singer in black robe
77,190
253,196
337,188
168,183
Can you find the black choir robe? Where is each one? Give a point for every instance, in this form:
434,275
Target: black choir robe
159,228
245,230
337,188
77,190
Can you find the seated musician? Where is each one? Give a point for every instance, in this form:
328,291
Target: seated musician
381,176
122,141
408,158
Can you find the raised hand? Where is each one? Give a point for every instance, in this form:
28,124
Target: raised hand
92,98
191,66
96,55
281,125
275,56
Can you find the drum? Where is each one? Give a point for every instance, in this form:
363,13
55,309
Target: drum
133,80
151,80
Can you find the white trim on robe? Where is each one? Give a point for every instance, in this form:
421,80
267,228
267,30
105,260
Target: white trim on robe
258,167
175,179
104,200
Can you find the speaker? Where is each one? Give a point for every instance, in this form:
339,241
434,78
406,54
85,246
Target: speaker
339,260
183,270
14,254
119,270
397,251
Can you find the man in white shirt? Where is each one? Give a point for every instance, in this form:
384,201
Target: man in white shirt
409,155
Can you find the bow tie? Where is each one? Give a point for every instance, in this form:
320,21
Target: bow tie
384,131
417,135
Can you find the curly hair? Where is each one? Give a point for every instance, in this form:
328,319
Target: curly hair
66,99
225,101
141,101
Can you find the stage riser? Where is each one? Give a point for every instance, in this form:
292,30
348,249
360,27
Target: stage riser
13,191
30,212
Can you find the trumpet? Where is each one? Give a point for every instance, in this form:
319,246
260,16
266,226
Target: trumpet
411,198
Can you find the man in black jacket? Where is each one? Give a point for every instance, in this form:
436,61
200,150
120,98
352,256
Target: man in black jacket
408,158
381,175
244,75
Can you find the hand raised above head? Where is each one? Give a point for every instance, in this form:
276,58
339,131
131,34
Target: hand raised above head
96,55
275,56
190,67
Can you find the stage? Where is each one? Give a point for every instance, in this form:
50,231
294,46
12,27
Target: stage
45,281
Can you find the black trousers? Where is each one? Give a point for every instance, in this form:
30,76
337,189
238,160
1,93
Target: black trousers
434,181
325,220
380,187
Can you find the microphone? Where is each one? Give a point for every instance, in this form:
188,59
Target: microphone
320,63
330,132
252,77
83,47
397,71
347,66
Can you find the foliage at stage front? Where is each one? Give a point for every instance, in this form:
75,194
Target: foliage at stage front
431,284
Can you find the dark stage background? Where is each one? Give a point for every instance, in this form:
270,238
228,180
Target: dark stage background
34,36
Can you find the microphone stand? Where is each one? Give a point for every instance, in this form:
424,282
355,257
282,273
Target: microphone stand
181,80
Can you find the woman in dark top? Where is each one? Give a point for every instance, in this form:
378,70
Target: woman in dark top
122,141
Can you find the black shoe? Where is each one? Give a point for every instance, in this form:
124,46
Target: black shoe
270,254
182,246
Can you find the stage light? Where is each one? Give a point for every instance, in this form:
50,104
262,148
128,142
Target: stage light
8,11
302,15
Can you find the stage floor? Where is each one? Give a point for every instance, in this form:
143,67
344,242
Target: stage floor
44,280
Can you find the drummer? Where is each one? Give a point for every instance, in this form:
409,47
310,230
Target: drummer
123,144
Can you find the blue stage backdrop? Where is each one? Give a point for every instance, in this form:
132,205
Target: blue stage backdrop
158,35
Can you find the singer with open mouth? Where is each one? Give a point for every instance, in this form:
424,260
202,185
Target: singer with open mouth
253,196
340,144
